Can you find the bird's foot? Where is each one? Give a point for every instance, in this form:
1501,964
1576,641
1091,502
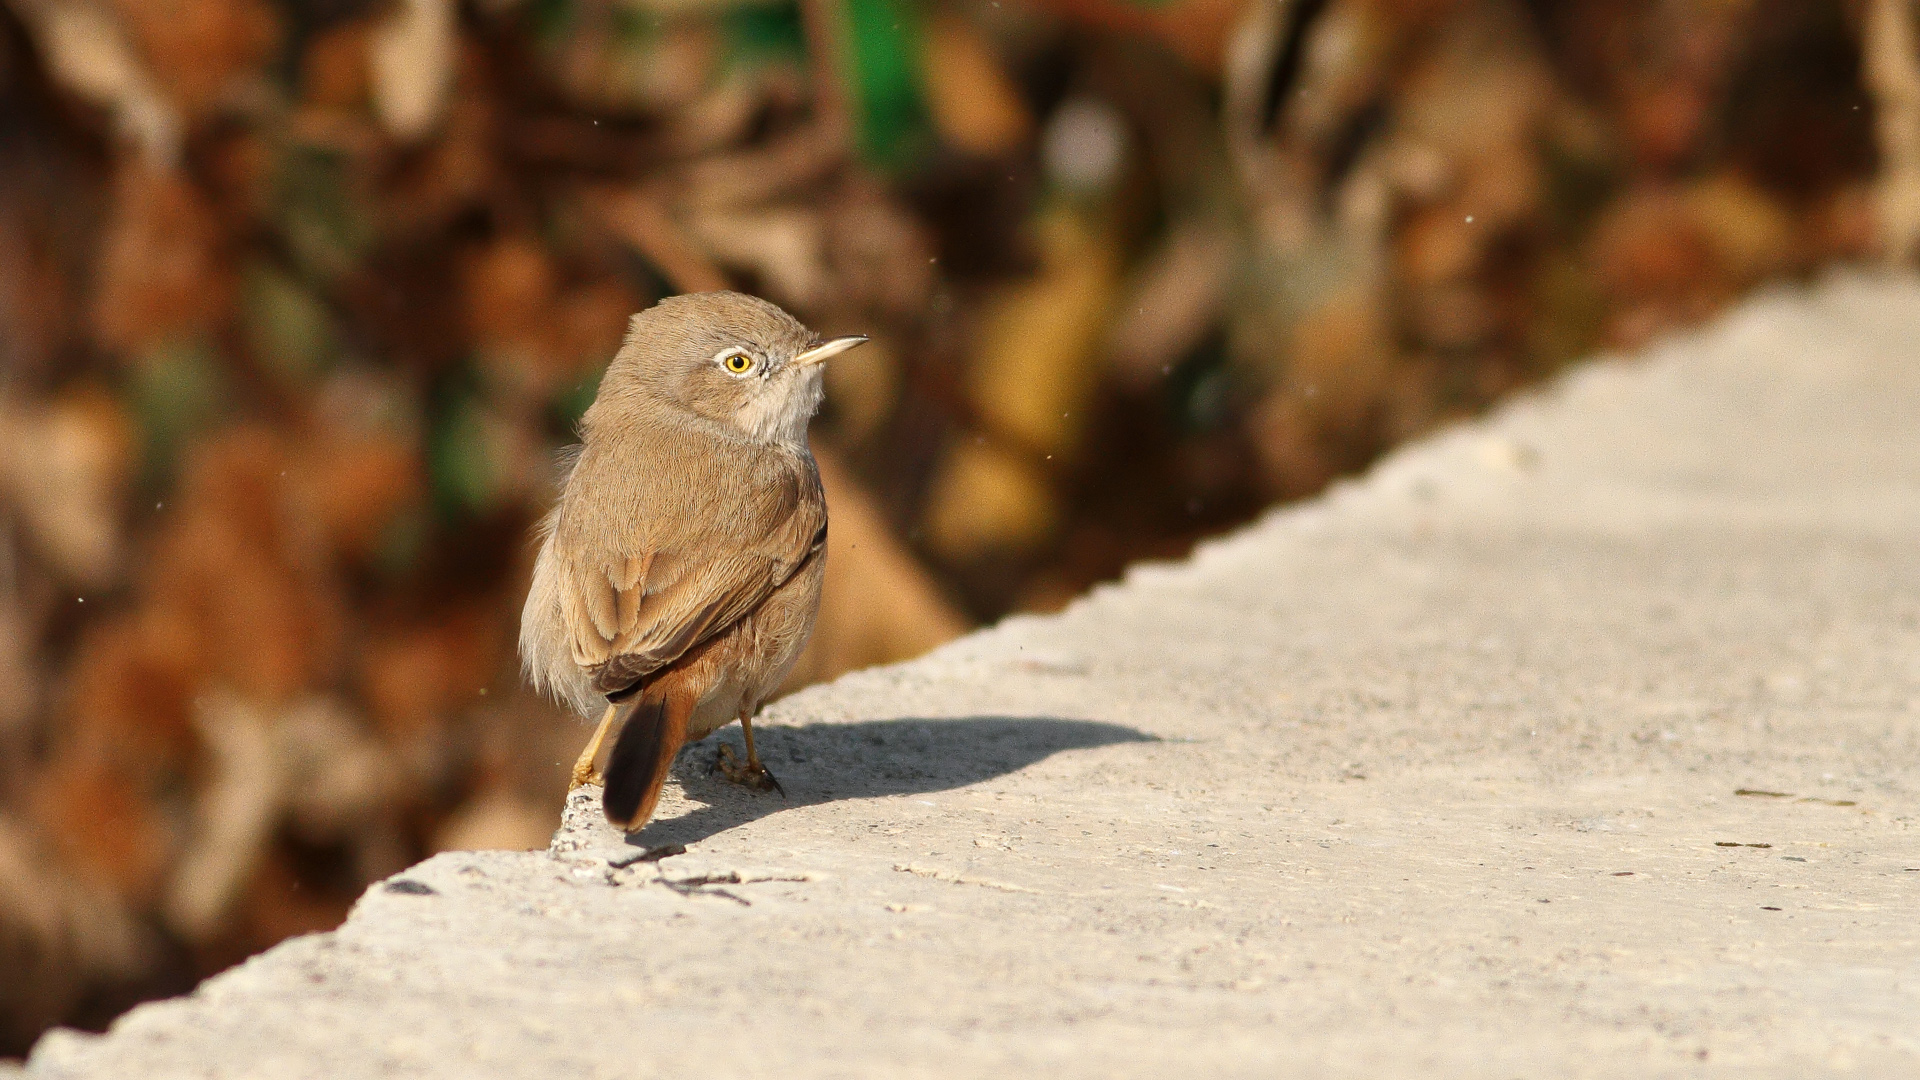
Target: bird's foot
749,773
585,768
584,774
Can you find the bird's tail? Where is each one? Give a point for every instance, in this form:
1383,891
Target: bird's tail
652,732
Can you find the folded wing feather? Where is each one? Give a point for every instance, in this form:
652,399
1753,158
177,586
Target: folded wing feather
639,598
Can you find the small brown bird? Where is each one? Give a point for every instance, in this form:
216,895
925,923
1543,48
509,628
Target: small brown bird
679,576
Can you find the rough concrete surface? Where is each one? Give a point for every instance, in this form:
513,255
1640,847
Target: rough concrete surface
1581,741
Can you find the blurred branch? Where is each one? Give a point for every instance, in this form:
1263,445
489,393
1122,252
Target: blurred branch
825,25
87,50
640,217
1274,176
1892,67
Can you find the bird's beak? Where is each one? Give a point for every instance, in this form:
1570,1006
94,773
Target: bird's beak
828,348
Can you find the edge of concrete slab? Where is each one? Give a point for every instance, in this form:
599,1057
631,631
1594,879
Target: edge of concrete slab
1476,469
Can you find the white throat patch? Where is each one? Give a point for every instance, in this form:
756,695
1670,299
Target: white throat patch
780,411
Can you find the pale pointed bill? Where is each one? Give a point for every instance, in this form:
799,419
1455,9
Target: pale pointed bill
829,348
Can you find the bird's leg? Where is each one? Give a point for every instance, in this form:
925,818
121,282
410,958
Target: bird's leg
749,773
583,771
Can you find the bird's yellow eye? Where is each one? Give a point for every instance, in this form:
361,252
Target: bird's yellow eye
738,363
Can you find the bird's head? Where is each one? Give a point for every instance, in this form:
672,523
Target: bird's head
724,357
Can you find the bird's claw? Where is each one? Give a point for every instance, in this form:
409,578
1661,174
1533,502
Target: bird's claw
749,773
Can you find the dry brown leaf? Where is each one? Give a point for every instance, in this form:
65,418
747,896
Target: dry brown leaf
198,50
985,500
19,689
413,678
234,813
358,487
58,939
334,67
1891,62
243,562
64,468
90,53
1656,264
343,784
974,105
105,827
784,246
640,218
1751,233
881,257
309,766
1037,359
164,273
1176,296
411,55
133,685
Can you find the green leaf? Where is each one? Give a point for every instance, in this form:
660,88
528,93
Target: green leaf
177,389
765,33
460,460
888,95
319,212
288,329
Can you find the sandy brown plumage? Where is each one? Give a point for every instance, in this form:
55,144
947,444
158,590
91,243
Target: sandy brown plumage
679,575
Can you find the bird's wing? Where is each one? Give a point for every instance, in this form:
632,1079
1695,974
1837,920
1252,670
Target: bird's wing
637,593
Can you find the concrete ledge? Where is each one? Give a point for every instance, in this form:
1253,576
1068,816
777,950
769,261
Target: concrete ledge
1582,741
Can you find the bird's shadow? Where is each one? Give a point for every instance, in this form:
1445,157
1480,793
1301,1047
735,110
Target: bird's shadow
820,763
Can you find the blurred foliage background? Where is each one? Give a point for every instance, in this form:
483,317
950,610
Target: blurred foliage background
299,297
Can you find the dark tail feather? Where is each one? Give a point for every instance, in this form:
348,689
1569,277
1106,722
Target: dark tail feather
642,753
